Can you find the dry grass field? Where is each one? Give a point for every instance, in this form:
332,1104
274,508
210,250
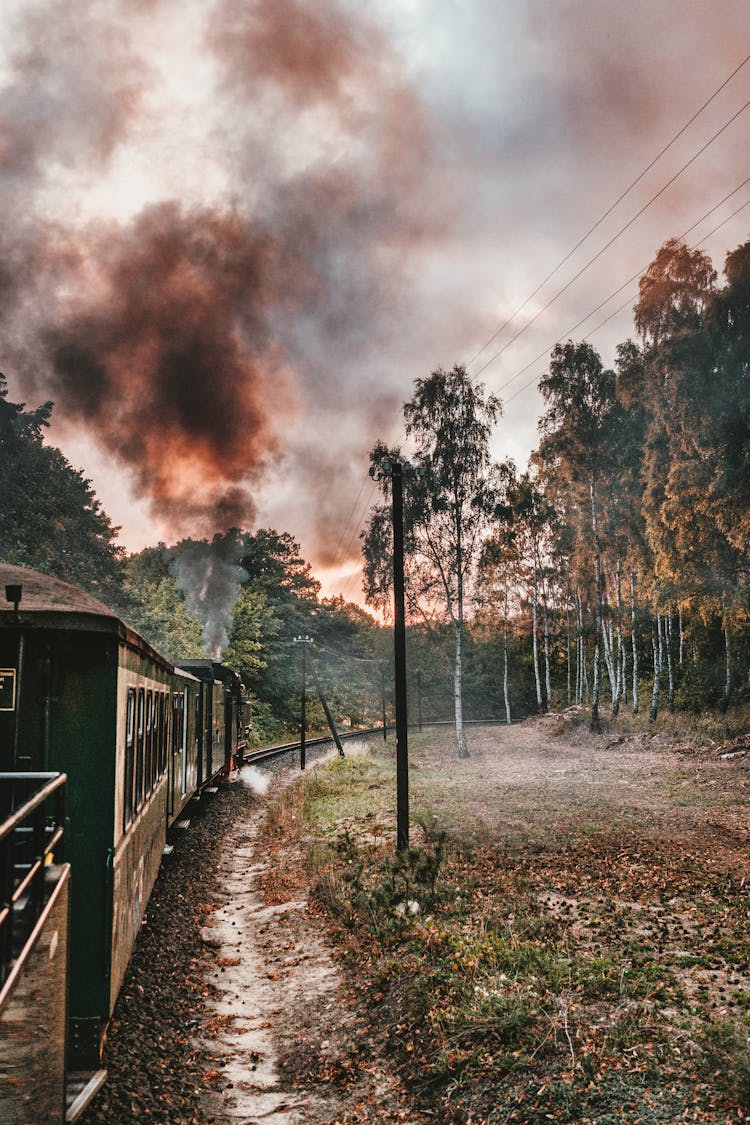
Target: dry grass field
567,938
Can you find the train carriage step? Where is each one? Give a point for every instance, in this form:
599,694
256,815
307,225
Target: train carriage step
81,1087
167,850
182,824
210,789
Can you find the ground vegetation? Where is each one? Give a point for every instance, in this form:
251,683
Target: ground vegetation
567,937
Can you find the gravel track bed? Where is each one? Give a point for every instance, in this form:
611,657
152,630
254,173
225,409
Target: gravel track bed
155,1070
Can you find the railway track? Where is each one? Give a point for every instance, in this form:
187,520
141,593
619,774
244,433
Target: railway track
266,753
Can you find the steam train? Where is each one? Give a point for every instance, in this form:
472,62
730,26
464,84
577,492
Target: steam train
138,737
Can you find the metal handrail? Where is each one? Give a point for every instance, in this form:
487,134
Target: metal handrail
42,835
54,781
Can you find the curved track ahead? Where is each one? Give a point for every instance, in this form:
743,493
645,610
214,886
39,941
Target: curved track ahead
268,752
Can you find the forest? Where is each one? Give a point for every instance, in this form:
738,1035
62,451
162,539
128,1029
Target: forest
614,569
627,540
612,572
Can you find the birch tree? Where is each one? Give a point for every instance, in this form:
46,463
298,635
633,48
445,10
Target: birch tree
524,526
692,339
447,508
580,397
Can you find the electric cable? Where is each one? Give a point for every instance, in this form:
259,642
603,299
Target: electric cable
613,239
337,553
612,315
611,208
710,234
632,278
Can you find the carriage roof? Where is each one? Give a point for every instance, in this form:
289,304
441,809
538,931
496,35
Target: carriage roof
49,603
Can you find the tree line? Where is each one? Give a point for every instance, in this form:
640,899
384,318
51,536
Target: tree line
621,555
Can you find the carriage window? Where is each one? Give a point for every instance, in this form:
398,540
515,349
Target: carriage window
140,733
163,731
177,705
185,713
156,738
129,758
149,744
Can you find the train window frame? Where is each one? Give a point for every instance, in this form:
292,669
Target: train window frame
156,737
176,697
148,776
127,798
140,728
185,716
163,731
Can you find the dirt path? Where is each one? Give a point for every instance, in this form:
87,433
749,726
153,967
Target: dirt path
281,1033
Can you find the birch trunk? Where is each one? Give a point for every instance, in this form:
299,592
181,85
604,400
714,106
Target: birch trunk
621,653
547,672
655,638
579,637
506,694
598,576
567,651
581,654
458,700
609,660
458,696
535,647
634,639
728,666
670,668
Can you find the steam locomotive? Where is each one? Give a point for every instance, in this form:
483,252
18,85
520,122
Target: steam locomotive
83,693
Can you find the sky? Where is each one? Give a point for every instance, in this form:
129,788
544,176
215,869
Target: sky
235,232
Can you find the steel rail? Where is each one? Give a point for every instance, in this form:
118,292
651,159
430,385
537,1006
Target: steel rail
287,747
268,752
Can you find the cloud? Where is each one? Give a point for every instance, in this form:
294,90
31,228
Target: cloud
75,89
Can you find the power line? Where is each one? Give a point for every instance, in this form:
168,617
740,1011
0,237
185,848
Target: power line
613,239
610,209
569,332
623,306
705,238
641,271
619,289
347,584
337,554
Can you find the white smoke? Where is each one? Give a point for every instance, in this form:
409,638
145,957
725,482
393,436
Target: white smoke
254,779
209,575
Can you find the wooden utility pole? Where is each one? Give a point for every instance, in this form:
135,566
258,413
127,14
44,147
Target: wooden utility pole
304,642
395,471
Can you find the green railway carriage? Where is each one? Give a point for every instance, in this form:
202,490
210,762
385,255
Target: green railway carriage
218,718
82,693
